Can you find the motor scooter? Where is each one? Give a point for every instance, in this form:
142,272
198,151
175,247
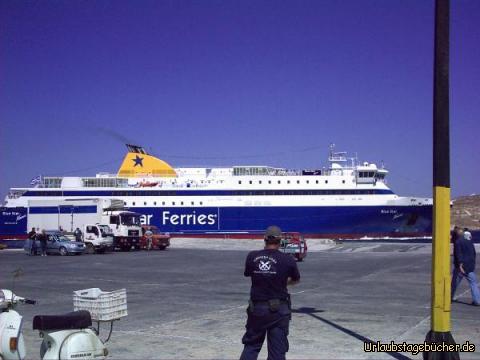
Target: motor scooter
67,336
12,344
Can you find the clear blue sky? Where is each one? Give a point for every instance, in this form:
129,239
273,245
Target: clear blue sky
233,82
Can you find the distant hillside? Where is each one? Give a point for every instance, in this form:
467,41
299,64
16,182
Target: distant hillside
466,212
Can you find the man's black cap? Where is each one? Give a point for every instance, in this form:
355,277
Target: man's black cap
273,232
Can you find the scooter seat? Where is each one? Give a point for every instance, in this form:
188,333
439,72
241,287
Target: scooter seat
73,320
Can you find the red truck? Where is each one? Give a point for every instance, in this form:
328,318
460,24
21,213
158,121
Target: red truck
294,243
157,239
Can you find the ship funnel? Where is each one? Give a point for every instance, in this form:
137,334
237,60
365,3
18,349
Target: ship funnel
137,163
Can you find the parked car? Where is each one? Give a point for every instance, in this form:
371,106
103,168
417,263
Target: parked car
295,244
159,240
57,243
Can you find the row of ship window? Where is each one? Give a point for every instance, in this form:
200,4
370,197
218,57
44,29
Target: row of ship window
207,192
333,192
288,182
173,203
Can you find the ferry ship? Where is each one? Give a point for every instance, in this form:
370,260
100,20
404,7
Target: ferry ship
345,199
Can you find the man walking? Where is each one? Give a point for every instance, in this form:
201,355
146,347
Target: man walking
269,310
464,265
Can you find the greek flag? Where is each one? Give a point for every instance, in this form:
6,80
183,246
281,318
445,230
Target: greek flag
36,180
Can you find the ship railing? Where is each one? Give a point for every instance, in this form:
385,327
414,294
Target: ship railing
184,184
284,172
15,194
337,159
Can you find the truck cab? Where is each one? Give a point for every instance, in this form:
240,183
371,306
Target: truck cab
126,228
153,238
294,243
98,238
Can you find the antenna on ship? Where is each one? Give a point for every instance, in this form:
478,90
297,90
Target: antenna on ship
338,158
332,148
354,160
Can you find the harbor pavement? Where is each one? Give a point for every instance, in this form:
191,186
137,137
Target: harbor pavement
189,302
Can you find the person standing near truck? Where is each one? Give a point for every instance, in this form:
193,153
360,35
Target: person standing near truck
32,236
149,237
269,309
78,235
43,242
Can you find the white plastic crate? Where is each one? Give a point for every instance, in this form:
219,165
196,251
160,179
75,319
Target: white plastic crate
102,305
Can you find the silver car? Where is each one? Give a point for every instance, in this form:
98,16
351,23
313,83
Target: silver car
57,243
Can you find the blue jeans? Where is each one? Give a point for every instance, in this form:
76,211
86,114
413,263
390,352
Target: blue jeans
44,248
274,325
33,248
457,277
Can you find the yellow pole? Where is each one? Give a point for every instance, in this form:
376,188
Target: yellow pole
441,302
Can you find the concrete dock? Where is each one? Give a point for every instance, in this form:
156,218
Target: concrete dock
189,302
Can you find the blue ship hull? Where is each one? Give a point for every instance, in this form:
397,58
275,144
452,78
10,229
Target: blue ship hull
319,221
332,221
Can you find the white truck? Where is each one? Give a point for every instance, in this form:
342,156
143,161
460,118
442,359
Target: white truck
98,238
68,214
126,227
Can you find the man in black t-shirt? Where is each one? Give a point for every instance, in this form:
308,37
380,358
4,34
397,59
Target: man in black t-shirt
269,308
32,236
78,235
